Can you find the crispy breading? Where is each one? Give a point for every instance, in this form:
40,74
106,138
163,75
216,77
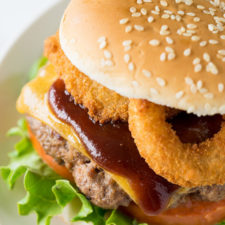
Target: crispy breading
102,103
188,165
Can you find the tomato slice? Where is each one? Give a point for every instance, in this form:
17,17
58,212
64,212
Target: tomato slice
191,213
61,170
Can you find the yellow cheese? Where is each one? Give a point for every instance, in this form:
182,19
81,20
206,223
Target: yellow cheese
33,101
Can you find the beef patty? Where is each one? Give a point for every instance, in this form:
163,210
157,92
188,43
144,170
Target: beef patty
95,183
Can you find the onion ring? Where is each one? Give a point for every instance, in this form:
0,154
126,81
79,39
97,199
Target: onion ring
103,104
188,165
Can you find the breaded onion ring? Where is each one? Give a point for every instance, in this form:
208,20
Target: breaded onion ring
102,103
188,165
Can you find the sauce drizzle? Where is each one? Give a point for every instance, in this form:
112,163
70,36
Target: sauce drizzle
112,148
193,129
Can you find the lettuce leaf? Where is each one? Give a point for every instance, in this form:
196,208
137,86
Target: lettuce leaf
47,194
36,66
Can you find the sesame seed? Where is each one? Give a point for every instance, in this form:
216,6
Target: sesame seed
221,52
208,95
154,42
127,48
199,84
211,27
193,88
164,3
157,8
220,87
127,42
196,19
190,109
169,49
124,21
136,14
172,17
146,73
107,54
169,40
107,62
181,30
203,43
139,2
187,52
196,61
126,58
191,31
128,28
102,44
178,18
211,67
198,68
222,37
180,12
187,34
171,56
163,57
102,39
188,2
164,27
147,1
133,9
150,19
192,26
190,14
200,7
213,42
165,16
222,109
195,38
154,91
144,11
138,27
131,66
188,81
203,90
179,94
155,12
206,57
135,83
168,11
164,30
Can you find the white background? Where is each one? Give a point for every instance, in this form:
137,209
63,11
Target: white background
16,15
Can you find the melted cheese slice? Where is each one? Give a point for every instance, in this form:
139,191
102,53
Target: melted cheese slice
33,101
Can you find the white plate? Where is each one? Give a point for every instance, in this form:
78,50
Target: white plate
14,68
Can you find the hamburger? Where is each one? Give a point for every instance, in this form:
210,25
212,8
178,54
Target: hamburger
129,111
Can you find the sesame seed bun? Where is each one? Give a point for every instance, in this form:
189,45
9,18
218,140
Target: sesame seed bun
168,52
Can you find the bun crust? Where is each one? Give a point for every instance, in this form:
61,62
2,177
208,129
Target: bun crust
168,52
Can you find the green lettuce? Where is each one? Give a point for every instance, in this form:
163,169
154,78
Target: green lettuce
36,66
222,223
47,194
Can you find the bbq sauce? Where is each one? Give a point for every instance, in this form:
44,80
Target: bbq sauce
193,129
112,148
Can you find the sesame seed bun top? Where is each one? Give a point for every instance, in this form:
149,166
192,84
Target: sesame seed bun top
170,52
